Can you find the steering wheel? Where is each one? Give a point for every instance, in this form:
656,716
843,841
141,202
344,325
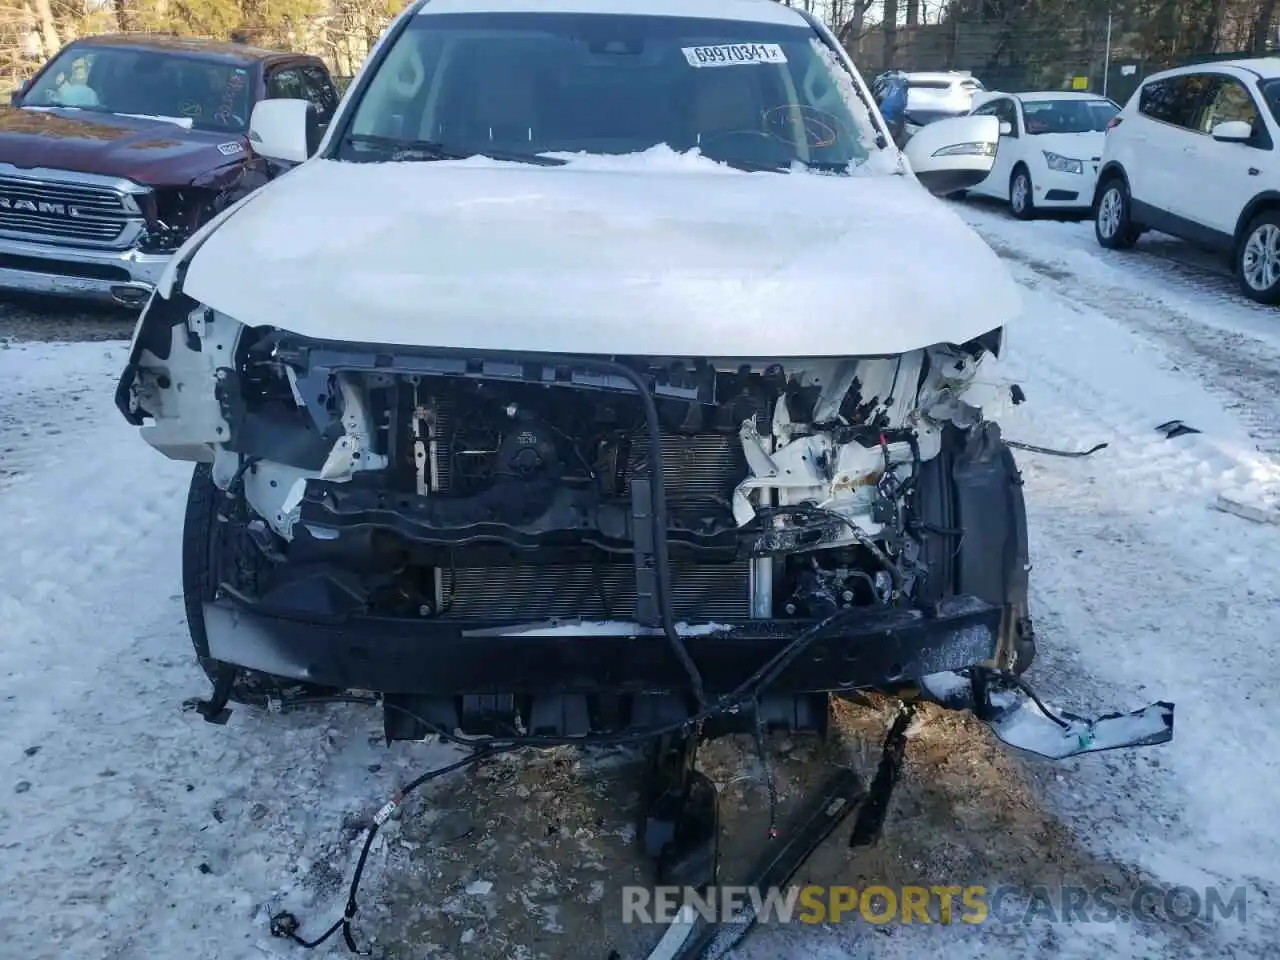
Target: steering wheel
821,127
226,117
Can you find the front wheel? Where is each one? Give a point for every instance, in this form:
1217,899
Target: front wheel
1112,225
217,551
1021,201
1258,259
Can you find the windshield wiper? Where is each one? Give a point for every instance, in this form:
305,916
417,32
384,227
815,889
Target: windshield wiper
433,150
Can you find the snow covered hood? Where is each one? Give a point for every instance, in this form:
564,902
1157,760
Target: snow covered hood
650,255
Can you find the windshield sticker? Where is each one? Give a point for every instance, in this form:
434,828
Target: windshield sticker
732,54
230,149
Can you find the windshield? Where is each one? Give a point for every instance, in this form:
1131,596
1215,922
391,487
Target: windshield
210,94
1067,116
755,95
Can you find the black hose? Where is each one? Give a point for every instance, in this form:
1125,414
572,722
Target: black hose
1050,451
1025,687
658,494
661,552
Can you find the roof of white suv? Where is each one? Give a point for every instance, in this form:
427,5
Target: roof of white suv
752,11
1266,67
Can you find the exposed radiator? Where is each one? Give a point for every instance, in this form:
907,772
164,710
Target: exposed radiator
707,466
703,466
605,591
694,467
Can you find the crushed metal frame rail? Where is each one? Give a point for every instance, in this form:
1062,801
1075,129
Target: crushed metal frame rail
691,937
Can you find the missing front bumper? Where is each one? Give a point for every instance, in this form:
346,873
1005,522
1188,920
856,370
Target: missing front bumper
439,658
552,668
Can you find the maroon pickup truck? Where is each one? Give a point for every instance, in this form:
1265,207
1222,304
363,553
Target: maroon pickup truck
122,145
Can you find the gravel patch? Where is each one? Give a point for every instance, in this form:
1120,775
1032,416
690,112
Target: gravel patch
27,319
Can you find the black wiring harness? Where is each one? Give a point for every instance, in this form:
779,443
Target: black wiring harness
748,693
745,695
286,924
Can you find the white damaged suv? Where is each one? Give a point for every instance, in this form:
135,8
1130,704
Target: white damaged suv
588,377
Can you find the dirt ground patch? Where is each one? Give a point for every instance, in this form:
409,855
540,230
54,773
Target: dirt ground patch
52,319
525,857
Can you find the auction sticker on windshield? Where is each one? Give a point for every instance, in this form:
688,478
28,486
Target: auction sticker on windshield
730,54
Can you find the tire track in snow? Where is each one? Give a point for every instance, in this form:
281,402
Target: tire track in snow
1124,620
1166,264
139,830
161,835
1242,372
50,402
1162,597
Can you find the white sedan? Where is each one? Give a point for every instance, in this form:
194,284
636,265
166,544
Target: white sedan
1050,148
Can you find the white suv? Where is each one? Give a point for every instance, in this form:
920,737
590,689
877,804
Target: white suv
1193,154
576,381
948,93
935,95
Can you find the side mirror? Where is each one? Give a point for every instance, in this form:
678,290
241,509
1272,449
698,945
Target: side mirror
1006,128
18,92
286,130
1233,131
954,154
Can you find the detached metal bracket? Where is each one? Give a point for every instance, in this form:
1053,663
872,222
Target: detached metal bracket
691,938
1019,718
1175,428
648,610
214,710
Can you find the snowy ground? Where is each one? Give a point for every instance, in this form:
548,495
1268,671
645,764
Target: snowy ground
130,829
